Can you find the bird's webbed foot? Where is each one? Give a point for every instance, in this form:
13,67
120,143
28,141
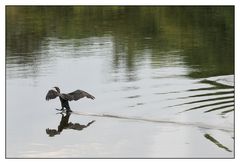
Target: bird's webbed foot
69,110
59,109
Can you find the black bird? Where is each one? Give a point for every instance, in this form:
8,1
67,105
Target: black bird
64,98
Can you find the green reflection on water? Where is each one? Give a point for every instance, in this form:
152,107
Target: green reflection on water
204,36
210,138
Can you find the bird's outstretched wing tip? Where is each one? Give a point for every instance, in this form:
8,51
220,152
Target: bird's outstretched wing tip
91,97
51,95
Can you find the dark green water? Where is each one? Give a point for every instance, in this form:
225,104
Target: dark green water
148,67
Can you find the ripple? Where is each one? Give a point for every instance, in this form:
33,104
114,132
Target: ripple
130,88
133,97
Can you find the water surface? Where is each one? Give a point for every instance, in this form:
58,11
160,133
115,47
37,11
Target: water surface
153,70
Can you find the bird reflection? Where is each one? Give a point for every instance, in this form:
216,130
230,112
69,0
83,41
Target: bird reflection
65,124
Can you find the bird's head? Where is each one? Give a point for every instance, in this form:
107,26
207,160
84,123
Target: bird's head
57,89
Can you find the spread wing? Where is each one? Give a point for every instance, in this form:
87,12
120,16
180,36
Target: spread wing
78,94
51,94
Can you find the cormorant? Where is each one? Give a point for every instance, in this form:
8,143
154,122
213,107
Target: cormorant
64,98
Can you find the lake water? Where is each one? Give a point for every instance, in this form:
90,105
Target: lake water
158,75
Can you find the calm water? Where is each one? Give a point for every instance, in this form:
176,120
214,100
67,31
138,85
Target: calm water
153,72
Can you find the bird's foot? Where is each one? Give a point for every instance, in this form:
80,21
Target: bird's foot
59,109
69,110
